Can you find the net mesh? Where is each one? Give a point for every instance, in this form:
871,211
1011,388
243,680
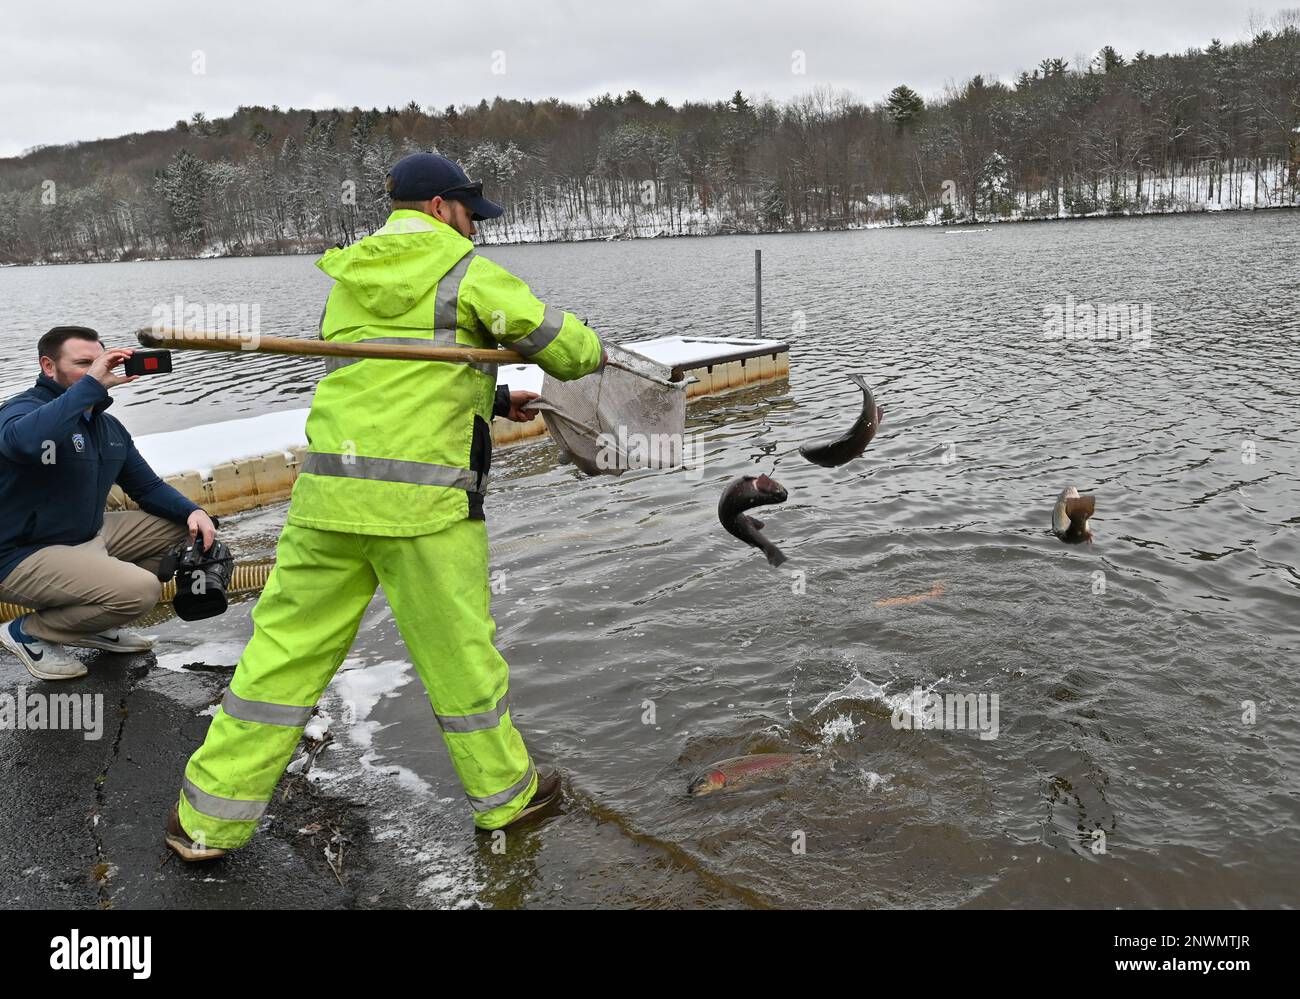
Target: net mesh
630,414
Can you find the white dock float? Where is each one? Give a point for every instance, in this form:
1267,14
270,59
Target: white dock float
243,464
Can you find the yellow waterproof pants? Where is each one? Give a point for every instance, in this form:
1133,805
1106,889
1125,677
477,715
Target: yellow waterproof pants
303,626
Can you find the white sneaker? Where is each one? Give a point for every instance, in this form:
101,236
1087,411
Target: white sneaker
115,640
44,660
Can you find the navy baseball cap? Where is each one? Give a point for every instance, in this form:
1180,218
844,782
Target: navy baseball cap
422,176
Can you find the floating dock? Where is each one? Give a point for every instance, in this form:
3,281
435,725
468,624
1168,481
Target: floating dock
248,463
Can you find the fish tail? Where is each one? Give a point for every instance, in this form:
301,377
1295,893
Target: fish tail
774,554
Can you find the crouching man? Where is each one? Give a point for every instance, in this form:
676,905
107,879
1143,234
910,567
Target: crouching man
85,572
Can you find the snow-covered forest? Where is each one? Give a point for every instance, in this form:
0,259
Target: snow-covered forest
1211,128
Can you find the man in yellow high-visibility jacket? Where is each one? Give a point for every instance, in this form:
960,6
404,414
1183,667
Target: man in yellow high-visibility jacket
391,494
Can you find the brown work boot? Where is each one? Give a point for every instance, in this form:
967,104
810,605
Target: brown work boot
184,847
547,794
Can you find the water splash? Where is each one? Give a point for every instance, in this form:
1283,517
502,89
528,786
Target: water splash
838,729
859,688
875,781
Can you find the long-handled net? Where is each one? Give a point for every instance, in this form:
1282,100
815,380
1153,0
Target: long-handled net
630,414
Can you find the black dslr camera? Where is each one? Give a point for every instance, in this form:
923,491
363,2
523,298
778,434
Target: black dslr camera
201,578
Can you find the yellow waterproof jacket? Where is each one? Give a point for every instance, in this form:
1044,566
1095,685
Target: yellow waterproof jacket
401,448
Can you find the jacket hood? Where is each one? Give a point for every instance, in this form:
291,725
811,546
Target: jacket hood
389,271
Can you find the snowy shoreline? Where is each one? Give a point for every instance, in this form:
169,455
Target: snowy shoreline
1199,209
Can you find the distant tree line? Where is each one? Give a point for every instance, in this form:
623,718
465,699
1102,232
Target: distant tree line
1217,127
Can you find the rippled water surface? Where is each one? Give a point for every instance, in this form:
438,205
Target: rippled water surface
1124,670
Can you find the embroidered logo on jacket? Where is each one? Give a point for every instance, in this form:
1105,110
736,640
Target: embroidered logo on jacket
79,442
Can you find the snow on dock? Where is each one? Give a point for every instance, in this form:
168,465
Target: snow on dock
201,449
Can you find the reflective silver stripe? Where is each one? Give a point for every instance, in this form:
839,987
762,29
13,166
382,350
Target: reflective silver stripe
420,473
475,722
445,301
234,809
445,312
540,338
407,224
292,715
502,797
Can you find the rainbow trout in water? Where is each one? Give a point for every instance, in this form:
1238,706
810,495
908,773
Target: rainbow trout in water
745,771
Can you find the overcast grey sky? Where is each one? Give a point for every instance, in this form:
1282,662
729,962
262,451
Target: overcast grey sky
83,70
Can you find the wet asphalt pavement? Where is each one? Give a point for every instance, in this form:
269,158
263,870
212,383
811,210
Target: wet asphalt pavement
83,818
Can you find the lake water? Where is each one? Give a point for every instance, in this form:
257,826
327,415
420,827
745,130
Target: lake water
1127,769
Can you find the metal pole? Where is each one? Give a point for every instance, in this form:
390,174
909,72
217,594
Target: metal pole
758,294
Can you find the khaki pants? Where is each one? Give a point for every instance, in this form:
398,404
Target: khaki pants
107,581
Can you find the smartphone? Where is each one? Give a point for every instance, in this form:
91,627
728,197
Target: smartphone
148,362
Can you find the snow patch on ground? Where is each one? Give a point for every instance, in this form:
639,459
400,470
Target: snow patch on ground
359,688
420,829
211,653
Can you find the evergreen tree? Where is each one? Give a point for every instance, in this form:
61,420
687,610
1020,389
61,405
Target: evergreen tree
904,105
183,185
